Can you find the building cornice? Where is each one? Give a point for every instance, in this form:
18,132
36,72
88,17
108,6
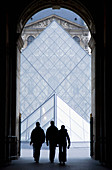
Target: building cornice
57,17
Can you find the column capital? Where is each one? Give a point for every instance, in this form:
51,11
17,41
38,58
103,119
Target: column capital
19,41
92,43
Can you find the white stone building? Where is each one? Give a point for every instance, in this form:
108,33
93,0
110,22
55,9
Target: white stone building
70,21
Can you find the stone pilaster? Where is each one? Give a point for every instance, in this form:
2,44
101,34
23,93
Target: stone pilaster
92,45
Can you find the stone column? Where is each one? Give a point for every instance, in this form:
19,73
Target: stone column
92,45
5,116
18,114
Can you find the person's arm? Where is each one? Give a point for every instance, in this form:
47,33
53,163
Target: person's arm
68,138
57,137
47,137
43,136
31,138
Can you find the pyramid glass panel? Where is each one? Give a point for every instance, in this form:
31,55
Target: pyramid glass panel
54,63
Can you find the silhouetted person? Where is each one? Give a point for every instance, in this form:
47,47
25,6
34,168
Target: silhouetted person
51,140
63,137
37,138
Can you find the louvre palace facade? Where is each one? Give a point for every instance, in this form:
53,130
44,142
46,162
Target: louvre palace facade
70,21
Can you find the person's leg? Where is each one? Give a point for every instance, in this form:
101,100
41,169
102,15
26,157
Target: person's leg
34,151
52,152
37,153
64,154
60,153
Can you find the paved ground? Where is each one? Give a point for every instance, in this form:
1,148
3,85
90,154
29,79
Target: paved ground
71,153
78,159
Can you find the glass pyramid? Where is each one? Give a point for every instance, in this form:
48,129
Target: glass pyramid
77,127
55,64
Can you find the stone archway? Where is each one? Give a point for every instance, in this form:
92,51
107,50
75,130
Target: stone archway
78,8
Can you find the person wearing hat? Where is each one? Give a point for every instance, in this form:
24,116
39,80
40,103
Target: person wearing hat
63,138
37,139
51,140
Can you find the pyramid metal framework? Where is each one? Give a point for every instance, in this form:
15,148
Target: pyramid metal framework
54,64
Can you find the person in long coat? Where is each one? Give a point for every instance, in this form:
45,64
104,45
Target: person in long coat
51,140
63,139
37,139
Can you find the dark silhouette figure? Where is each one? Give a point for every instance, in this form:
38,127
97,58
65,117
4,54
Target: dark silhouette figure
63,137
37,138
51,140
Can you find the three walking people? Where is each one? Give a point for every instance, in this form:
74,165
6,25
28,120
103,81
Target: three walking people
54,138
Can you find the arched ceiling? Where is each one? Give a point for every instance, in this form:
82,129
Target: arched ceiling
33,7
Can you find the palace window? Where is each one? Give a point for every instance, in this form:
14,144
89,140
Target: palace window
30,39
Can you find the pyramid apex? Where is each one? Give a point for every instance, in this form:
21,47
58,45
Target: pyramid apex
54,24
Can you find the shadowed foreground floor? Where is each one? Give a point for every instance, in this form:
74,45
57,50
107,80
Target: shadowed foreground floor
78,159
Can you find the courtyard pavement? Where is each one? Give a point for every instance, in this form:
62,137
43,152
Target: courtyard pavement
77,159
